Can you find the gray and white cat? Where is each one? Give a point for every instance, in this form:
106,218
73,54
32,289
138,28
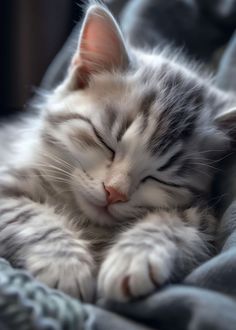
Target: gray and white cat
109,181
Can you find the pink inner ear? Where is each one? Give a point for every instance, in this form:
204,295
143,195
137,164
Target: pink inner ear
101,46
100,43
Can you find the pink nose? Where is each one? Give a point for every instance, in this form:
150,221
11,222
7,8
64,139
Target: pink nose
114,195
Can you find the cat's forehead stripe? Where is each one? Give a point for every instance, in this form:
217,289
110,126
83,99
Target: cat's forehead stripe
177,116
127,117
145,107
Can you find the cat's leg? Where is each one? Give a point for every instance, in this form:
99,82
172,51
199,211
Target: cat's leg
161,247
34,237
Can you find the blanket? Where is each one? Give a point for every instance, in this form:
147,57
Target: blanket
204,301
206,298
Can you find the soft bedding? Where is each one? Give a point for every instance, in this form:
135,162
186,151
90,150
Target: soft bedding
204,300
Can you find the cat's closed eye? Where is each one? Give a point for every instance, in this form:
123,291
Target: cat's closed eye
104,143
98,135
150,177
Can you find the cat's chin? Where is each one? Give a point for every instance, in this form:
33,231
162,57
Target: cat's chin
96,214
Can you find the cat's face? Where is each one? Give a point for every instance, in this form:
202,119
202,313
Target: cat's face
131,137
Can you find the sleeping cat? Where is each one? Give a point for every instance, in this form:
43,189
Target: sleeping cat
110,180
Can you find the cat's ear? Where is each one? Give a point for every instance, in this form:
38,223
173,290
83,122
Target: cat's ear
226,121
101,46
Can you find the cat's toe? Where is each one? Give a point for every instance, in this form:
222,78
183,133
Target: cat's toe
126,275
73,277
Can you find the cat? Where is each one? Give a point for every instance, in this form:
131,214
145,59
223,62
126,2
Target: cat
105,188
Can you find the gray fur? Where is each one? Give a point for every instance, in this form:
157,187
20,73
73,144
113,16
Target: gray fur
140,122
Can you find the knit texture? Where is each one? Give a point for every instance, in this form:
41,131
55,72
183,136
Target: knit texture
27,304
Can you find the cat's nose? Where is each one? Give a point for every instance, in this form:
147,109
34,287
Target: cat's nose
114,195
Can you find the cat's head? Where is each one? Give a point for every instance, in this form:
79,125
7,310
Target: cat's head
131,130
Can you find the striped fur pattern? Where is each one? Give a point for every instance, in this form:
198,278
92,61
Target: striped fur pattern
142,122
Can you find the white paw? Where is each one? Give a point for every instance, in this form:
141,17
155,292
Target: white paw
134,270
72,275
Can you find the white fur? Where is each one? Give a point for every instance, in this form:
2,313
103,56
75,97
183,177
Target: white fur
62,181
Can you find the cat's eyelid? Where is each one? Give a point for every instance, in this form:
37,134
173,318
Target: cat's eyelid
161,181
100,138
75,116
97,134
193,190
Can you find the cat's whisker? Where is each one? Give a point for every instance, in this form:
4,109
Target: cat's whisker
52,167
222,158
61,192
55,178
200,152
205,166
205,173
197,162
218,200
58,160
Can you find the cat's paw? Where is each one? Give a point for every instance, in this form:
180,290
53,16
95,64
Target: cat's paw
131,271
73,275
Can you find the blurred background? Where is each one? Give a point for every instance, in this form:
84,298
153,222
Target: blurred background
32,34
34,31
